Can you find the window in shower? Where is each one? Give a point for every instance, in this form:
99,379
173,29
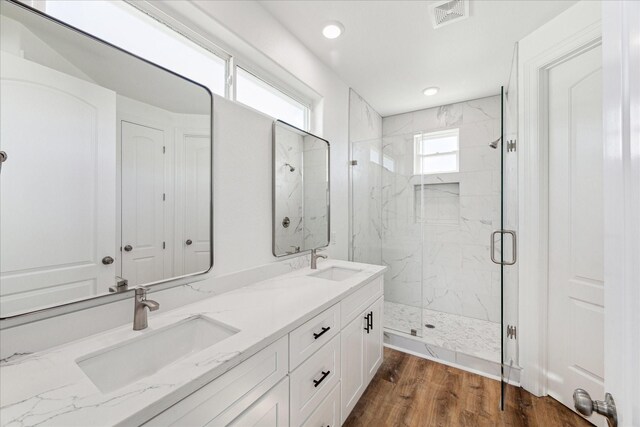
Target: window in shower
436,152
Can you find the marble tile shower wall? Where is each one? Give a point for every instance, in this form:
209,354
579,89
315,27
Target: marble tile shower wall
315,193
365,137
438,261
289,193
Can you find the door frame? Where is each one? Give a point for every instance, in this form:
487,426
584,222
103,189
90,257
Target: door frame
575,31
621,98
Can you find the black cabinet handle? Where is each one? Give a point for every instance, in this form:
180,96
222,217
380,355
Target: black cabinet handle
316,336
366,328
316,383
370,315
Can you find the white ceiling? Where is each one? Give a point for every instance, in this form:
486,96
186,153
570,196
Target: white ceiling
390,52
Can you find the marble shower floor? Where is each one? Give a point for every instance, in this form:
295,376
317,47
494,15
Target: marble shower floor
479,338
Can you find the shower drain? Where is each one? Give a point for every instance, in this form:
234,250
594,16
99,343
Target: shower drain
430,326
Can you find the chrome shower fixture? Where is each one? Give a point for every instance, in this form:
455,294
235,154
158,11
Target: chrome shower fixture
291,168
494,144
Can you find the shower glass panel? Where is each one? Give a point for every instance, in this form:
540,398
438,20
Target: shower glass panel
385,227
366,208
403,210
436,176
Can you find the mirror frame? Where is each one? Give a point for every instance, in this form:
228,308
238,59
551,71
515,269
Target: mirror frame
97,300
274,222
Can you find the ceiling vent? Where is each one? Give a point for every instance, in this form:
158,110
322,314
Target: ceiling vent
449,11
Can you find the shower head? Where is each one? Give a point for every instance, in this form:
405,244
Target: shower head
291,168
494,144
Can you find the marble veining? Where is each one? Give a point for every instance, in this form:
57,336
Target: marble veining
478,338
435,228
288,192
365,137
49,388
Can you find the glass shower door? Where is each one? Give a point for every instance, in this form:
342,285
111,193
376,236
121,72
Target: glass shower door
508,241
384,227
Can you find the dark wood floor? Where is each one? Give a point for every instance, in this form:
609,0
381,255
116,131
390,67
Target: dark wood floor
410,391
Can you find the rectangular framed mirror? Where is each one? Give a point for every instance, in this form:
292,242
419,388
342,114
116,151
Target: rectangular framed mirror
300,190
108,176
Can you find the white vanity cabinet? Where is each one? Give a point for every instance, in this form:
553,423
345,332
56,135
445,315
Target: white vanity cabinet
361,344
313,376
271,410
235,392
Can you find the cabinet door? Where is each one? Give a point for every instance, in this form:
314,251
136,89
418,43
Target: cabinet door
328,412
373,341
353,383
271,410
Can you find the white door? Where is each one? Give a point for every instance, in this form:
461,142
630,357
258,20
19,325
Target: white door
576,243
197,225
57,193
373,341
143,244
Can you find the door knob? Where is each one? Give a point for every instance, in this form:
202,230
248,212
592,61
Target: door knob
128,248
189,242
107,260
584,405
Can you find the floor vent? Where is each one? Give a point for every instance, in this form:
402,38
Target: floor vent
449,11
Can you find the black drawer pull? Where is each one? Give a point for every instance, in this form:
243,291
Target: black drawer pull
316,383
369,319
316,336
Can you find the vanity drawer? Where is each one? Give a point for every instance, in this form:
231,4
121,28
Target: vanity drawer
226,397
328,413
312,381
308,338
357,302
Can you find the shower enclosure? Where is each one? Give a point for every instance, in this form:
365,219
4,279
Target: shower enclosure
430,195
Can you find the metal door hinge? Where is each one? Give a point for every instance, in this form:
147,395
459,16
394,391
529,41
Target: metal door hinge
512,332
511,145
354,163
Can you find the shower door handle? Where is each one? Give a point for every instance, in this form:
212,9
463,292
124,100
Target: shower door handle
514,243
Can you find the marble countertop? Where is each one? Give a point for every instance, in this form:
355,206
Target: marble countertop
49,388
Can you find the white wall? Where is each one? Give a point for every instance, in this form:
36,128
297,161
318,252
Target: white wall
253,29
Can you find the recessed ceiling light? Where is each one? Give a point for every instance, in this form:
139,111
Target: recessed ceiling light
430,91
333,30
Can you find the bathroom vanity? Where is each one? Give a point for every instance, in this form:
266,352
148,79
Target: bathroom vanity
297,349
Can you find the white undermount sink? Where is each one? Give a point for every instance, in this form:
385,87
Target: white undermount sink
127,362
335,273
